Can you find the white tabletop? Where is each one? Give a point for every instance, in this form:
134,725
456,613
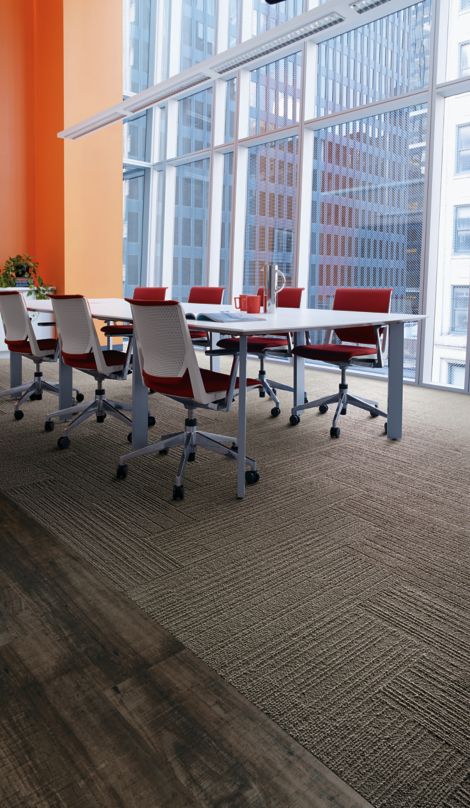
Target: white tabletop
281,321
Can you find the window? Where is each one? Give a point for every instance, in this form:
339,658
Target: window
464,61
459,309
367,209
246,181
462,230
456,374
190,234
271,210
463,148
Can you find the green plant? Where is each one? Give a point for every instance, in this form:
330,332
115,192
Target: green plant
23,266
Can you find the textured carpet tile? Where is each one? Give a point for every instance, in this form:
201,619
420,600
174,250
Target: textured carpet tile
335,596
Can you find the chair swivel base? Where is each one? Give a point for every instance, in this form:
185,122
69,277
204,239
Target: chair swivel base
100,408
342,399
189,440
32,391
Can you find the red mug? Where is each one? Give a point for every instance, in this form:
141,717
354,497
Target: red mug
253,304
241,304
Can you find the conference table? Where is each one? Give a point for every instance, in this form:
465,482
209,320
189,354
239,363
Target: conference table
297,321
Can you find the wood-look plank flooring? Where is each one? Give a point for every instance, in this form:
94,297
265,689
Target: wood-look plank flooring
99,706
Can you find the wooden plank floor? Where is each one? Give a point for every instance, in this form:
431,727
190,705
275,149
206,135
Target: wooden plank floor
99,706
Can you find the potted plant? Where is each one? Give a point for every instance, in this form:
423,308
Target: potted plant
22,271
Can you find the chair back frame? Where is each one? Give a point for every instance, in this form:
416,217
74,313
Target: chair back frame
16,320
77,333
166,350
377,300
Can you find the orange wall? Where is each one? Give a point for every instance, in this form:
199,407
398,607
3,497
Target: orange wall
93,164
47,148
15,202
61,59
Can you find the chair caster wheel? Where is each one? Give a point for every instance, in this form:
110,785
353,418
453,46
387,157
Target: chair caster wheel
121,472
63,442
294,420
129,437
100,418
385,428
275,412
305,398
36,397
374,415
262,393
178,492
18,415
191,457
79,398
234,447
344,411
163,452
49,426
335,432
151,420
323,408
251,477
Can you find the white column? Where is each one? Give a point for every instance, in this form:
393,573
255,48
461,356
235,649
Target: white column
305,170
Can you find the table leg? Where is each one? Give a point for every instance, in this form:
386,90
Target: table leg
139,406
395,380
242,418
16,369
299,372
214,360
65,386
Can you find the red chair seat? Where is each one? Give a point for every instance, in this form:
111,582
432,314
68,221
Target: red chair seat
23,346
197,333
87,361
336,354
213,383
255,344
116,330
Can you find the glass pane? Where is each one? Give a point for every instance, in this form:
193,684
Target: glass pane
264,16
463,147
136,137
224,276
133,232
453,260
367,211
191,218
464,60
271,210
138,73
194,122
230,105
366,64
197,31
275,94
234,22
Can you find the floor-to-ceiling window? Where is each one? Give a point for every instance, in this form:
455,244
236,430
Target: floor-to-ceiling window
344,157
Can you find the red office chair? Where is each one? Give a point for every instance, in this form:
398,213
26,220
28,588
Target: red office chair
169,366
363,345
279,345
204,294
81,349
21,339
126,329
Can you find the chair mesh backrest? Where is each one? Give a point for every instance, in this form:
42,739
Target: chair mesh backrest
206,294
164,342
288,298
374,300
76,328
150,292
16,321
